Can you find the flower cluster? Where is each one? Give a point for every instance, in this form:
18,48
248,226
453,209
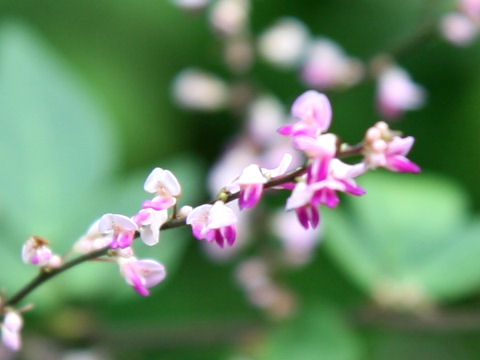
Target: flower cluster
318,182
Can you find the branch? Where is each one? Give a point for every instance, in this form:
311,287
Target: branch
48,273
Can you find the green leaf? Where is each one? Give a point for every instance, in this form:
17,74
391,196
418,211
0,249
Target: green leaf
408,235
54,139
318,332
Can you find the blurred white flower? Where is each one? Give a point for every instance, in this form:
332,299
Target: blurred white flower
298,243
326,65
199,90
458,29
265,115
397,92
230,16
284,43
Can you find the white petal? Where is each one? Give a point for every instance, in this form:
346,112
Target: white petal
251,175
151,183
171,183
301,195
199,214
151,270
221,215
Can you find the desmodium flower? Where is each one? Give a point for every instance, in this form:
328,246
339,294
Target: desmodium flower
142,274
314,112
166,187
214,223
121,229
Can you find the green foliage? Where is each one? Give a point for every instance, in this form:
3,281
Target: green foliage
59,154
409,233
318,332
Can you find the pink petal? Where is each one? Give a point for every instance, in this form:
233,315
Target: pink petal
312,105
159,203
250,195
402,164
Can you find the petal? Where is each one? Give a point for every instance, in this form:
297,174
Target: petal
402,164
171,183
151,270
11,339
13,321
250,195
313,106
400,146
282,167
124,239
251,175
230,233
151,183
301,195
302,215
221,215
159,203
220,240
133,278
199,230
109,221
199,214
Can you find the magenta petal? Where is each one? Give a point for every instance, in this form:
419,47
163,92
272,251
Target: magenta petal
114,244
125,239
135,280
141,289
159,204
197,230
314,217
331,198
318,170
402,164
286,130
354,189
230,233
250,195
219,237
302,215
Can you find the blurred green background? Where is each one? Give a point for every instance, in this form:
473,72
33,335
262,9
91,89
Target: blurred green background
86,113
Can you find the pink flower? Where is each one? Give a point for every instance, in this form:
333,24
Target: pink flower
93,240
384,148
397,93
120,228
322,146
149,222
327,66
301,201
12,324
251,186
36,252
142,274
214,222
252,179
322,189
340,177
166,187
314,111
471,8
458,29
